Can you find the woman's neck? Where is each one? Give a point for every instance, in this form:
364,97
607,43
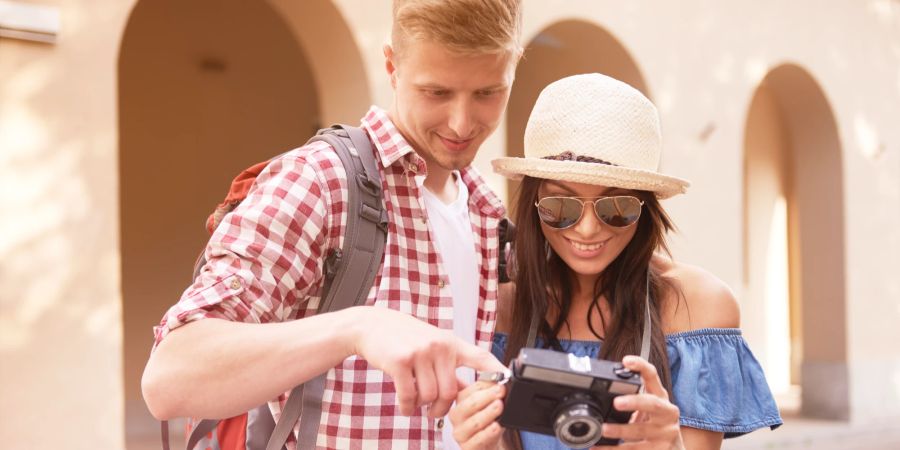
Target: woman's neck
581,308
583,286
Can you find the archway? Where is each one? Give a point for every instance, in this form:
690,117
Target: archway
794,242
206,89
564,48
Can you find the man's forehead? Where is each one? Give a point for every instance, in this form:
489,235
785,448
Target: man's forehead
432,56
435,84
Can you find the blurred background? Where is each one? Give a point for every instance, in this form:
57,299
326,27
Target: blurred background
122,123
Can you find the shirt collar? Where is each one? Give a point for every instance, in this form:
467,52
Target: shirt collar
391,145
481,195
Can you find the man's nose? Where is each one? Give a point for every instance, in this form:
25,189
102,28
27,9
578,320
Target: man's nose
460,120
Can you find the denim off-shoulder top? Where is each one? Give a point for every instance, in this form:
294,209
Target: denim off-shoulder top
717,383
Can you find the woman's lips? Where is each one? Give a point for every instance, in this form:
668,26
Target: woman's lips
587,250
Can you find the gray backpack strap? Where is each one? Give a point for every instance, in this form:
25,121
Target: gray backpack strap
349,272
352,270
260,426
202,429
286,421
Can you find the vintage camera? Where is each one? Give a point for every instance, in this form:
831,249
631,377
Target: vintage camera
561,394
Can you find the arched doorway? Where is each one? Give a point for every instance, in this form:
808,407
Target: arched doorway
794,242
206,88
564,48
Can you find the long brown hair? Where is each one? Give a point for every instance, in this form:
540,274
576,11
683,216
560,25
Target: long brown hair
543,284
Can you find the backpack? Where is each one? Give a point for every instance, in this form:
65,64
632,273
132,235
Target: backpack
349,274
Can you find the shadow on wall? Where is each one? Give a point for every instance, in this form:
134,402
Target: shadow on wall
795,265
207,88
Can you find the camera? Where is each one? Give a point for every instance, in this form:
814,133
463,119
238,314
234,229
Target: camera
568,396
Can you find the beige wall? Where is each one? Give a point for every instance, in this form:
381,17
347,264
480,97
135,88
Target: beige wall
60,306
61,326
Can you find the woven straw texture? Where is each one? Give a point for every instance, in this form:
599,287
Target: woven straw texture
594,116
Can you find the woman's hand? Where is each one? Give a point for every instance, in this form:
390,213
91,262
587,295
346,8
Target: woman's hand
655,423
474,416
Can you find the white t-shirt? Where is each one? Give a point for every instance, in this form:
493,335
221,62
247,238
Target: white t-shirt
452,235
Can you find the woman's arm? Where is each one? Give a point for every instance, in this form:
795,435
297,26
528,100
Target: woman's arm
704,301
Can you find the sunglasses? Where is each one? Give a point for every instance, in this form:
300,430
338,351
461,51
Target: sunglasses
564,212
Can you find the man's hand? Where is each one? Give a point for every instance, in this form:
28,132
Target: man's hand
421,359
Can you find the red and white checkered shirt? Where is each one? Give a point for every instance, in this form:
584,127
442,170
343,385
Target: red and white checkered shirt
265,265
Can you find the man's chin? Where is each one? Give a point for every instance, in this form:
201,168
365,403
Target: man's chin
455,164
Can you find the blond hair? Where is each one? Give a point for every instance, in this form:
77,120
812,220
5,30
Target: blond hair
462,26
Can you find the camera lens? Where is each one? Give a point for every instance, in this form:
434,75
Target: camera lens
577,425
579,429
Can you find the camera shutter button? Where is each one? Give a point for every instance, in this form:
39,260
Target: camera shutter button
622,372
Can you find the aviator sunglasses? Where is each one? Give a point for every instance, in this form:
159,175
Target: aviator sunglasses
564,212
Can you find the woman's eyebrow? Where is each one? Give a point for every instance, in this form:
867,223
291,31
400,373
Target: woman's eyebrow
616,191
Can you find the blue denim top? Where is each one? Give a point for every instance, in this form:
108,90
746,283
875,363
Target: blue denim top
717,383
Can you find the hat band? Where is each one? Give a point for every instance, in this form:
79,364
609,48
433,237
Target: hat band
569,156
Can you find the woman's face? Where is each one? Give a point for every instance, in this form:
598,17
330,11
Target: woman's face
589,246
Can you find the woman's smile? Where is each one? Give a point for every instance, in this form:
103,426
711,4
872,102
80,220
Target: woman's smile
587,249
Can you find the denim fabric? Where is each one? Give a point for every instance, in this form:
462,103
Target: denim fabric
717,383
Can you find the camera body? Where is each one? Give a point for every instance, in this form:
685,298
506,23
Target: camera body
566,396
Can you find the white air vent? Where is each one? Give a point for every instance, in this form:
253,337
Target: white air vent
28,21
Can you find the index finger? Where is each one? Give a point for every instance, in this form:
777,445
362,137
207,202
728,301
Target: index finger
477,358
649,374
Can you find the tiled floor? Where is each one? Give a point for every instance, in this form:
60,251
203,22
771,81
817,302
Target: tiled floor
801,433
795,434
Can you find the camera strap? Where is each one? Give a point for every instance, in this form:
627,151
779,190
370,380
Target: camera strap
645,337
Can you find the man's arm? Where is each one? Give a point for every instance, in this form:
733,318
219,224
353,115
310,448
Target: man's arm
213,368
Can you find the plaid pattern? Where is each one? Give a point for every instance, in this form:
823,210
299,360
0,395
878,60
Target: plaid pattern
265,264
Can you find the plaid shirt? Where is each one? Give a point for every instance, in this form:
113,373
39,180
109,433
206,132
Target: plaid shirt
265,264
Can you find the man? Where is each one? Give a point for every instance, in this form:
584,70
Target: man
390,364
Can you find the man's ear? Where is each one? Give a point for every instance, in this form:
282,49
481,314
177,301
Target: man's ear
389,64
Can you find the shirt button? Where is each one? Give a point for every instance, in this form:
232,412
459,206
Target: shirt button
413,168
440,423
235,284
441,283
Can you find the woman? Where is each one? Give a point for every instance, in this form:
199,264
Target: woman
590,244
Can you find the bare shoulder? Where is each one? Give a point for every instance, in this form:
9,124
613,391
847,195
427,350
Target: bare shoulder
702,301
506,296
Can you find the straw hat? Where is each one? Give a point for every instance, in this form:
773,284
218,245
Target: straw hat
593,129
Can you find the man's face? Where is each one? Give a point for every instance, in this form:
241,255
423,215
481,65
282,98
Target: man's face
447,104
